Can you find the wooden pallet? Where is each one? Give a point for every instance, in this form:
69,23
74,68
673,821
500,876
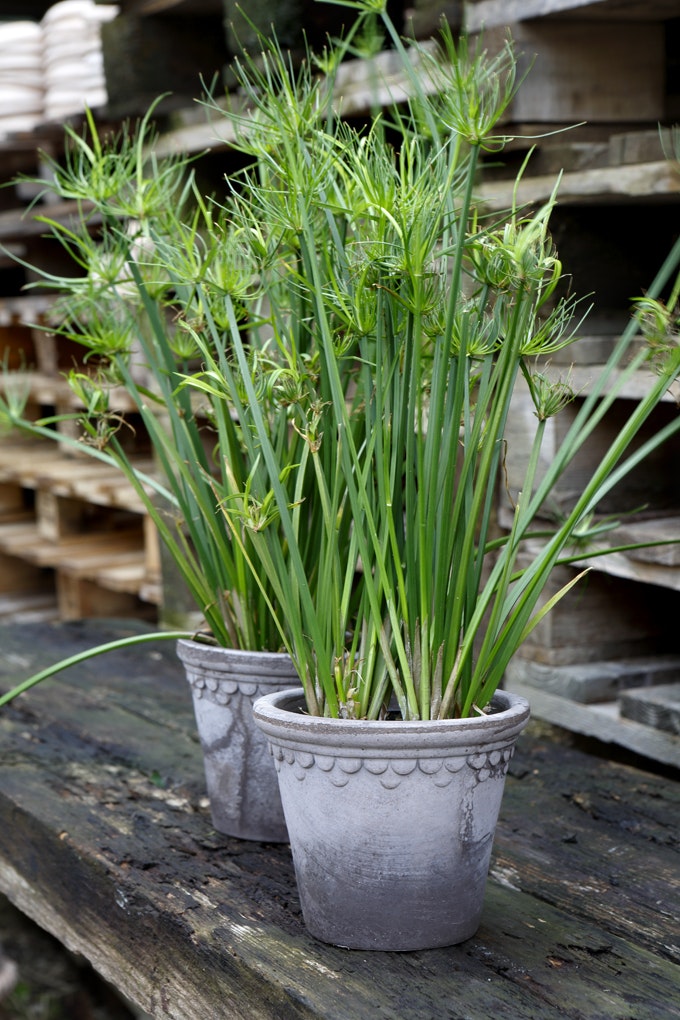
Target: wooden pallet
601,720
73,527
35,464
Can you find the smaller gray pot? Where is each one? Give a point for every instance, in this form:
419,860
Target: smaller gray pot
239,772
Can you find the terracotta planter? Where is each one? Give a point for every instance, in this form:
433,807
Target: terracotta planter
240,777
391,823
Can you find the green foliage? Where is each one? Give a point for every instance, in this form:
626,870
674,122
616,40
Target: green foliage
324,360
430,312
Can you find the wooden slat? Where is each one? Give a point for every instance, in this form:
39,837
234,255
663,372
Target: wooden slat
95,556
17,536
81,596
488,13
624,565
189,8
79,554
639,181
657,706
31,608
602,722
360,86
659,530
129,576
29,308
594,682
36,463
18,224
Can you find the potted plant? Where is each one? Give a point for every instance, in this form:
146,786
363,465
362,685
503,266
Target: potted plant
366,298
392,757
156,260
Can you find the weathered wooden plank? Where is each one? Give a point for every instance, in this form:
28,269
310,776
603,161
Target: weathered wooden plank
487,13
568,81
658,707
602,722
659,529
637,181
188,8
109,845
589,682
42,389
80,552
34,464
15,224
81,595
360,86
608,853
142,876
23,307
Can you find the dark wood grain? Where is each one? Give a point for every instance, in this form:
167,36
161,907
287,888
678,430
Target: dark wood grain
106,841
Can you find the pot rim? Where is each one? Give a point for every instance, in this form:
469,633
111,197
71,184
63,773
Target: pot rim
274,715
235,660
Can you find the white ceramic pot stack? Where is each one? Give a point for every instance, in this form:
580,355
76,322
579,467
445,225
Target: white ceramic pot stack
73,60
21,76
52,69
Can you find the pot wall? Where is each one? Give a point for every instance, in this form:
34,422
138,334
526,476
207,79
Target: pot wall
240,777
391,823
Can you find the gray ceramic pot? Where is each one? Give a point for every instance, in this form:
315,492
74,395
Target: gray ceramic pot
391,823
240,777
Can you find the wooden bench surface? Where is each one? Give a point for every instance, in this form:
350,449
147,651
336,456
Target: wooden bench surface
106,841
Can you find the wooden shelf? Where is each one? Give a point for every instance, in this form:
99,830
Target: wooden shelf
76,519
490,13
602,720
185,8
359,87
657,565
35,464
635,182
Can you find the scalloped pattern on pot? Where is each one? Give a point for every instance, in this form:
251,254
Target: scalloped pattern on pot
391,771
215,688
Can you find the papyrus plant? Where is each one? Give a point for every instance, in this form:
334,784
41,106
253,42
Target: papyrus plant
163,276
439,309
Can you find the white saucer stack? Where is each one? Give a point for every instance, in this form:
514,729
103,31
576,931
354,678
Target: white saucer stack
21,76
73,59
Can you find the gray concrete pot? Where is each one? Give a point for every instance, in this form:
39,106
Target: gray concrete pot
240,777
391,823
